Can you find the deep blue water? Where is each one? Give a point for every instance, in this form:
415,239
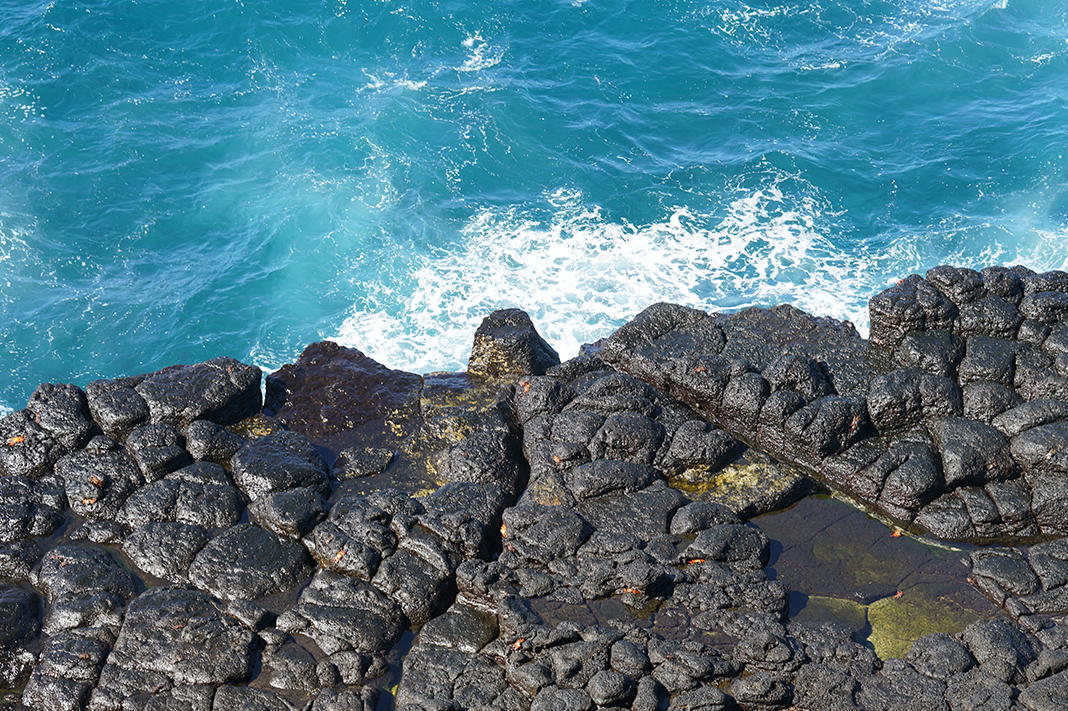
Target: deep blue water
182,180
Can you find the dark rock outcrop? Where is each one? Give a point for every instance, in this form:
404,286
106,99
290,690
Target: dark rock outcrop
572,536
506,343
946,367
332,390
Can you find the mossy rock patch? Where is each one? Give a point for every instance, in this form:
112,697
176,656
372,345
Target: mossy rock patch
750,485
818,608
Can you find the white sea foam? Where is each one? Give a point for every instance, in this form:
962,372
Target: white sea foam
376,83
480,54
841,37
580,275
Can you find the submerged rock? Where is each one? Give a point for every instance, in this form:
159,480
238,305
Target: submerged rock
19,624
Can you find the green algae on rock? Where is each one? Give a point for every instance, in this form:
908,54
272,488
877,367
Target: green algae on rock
751,484
898,621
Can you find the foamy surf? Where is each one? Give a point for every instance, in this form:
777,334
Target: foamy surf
387,178
581,275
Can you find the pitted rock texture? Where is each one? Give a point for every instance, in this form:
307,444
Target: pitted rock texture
1029,583
222,390
952,418
506,343
185,636
30,508
200,495
279,462
203,561
246,562
27,449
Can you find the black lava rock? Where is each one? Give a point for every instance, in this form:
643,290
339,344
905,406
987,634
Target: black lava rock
506,343
222,390
279,462
247,562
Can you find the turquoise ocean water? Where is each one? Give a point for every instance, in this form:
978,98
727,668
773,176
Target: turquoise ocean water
186,179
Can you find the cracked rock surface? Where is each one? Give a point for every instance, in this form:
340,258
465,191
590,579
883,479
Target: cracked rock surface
537,534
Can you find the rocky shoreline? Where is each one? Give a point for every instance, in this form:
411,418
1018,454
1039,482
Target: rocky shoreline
365,538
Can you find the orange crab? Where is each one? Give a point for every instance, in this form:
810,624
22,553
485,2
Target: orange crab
854,424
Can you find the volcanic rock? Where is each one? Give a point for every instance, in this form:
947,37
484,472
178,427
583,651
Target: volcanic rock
506,343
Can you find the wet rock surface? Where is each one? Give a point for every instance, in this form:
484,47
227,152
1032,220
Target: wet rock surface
506,343
951,418
543,535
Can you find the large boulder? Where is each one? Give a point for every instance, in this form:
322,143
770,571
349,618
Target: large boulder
332,393
222,390
184,636
506,343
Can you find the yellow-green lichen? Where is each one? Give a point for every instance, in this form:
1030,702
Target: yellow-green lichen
259,425
459,390
752,477
548,492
